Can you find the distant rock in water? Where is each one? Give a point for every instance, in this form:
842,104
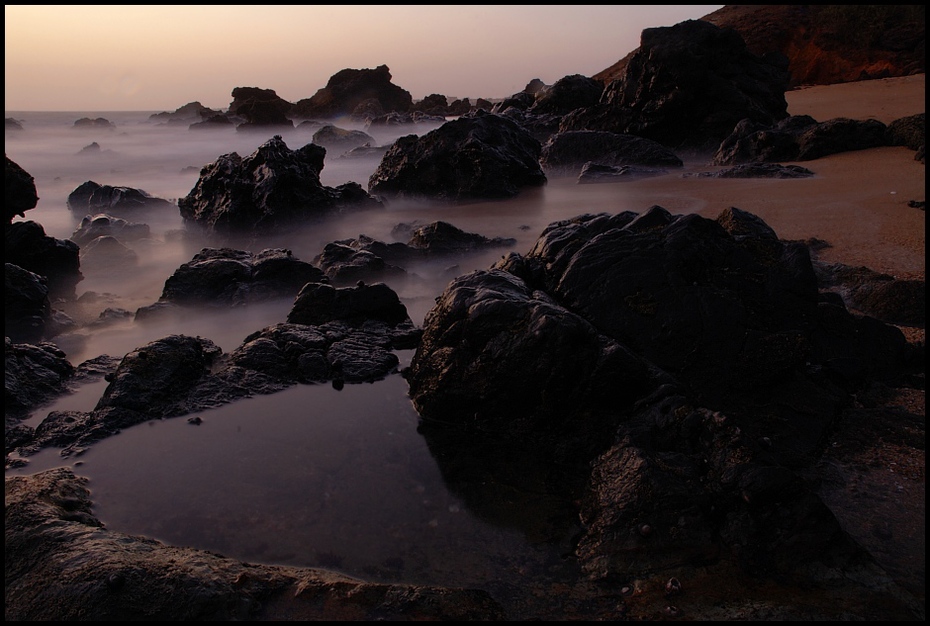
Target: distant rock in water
483,156
335,138
349,88
12,124
686,87
191,112
19,190
101,224
259,108
91,197
271,187
94,124
211,123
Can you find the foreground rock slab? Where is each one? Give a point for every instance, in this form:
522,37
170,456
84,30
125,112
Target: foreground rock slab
60,563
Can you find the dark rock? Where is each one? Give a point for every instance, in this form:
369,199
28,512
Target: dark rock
19,192
223,277
93,226
33,374
348,88
567,94
27,310
106,251
567,152
58,260
100,123
10,123
882,296
211,123
91,197
235,194
481,157
334,138
686,87
757,170
908,131
365,152
49,519
829,44
346,263
90,149
597,173
798,138
260,108
687,362
192,112
319,303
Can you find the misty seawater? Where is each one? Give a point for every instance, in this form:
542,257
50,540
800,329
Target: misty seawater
310,476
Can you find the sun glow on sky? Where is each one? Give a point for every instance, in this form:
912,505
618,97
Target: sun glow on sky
104,58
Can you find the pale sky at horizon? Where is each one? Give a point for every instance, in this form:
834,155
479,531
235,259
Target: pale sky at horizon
158,58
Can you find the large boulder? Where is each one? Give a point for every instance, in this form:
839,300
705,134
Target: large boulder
687,86
798,138
566,94
192,112
19,193
349,88
223,277
259,108
483,156
58,260
688,368
26,306
271,187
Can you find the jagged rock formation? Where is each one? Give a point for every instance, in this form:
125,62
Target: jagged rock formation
686,87
271,187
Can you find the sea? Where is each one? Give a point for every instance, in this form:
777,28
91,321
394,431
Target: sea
311,476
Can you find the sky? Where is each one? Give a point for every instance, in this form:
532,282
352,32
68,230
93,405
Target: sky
158,58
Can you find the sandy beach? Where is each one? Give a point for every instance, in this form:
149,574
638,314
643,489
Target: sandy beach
857,202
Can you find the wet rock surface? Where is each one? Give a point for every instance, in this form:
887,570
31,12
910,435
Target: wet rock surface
52,534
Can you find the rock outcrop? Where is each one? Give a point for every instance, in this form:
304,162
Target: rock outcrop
688,368
271,187
686,87
90,198
484,156
824,44
349,88
58,260
19,190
